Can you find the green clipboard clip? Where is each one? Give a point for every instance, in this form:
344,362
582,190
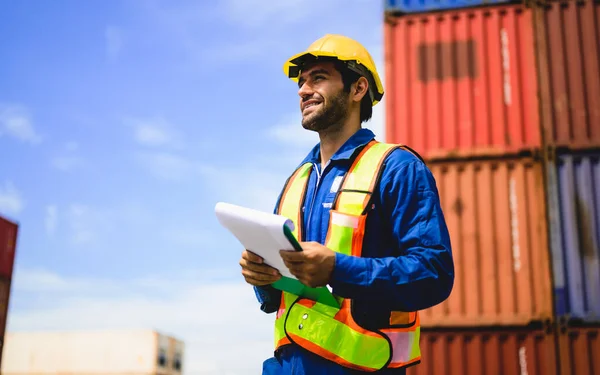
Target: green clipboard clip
320,294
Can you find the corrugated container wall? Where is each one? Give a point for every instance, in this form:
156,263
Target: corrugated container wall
579,349
95,352
463,82
418,6
8,243
495,213
574,193
568,41
506,352
5,285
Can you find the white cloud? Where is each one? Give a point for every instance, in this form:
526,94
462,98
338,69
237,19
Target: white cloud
155,132
69,160
71,146
290,132
86,223
182,24
189,235
260,190
168,166
114,42
51,219
67,163
29,280
11,201
207,315
244,50
87,226
15,121
257,13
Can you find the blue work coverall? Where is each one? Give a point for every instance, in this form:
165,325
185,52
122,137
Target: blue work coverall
406,261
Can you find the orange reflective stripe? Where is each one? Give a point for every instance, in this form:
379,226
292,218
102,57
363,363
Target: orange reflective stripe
345,316
329,355
402,318
284,341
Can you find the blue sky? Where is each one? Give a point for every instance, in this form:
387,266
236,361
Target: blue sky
122,123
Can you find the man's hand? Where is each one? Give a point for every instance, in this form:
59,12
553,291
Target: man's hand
255,271
313,265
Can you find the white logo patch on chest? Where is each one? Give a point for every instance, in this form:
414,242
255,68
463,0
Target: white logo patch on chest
335,186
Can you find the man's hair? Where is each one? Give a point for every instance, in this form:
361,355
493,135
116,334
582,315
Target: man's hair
348,78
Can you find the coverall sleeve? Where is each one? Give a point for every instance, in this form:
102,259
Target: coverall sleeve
420,274
268,297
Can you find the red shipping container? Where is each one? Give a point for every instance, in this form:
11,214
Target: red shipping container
496,215
8,243
568,44
579,349
462,82
4,299
475,352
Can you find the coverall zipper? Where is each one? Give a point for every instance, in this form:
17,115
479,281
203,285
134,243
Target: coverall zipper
314,195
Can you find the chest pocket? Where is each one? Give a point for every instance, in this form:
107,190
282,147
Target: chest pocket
327,199
330,196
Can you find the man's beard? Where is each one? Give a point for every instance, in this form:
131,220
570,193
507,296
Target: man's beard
330,116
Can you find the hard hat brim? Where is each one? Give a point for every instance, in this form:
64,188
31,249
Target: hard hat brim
293,66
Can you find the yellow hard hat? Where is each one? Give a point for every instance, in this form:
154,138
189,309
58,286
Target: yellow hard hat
345,49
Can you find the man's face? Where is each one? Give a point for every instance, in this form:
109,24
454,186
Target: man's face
323,102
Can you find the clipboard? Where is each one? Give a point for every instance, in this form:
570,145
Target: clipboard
265,234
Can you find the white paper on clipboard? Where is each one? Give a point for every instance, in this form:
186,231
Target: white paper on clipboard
258,231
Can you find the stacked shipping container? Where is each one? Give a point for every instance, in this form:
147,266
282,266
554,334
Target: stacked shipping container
503,102
8,243
462,83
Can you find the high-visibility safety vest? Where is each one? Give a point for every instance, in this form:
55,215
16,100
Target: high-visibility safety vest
329,332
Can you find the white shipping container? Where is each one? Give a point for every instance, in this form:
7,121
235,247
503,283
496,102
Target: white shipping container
91,352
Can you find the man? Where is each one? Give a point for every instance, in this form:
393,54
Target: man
369,221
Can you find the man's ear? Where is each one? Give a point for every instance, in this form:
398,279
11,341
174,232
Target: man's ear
360,89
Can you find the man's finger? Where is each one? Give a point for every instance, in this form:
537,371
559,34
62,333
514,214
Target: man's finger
291,265
258,268
255,282
256,276
292,256
252,257
296,269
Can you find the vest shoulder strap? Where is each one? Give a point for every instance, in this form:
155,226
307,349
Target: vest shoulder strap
357,187
293,193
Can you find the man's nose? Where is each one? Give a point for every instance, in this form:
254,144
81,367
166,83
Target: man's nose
305,90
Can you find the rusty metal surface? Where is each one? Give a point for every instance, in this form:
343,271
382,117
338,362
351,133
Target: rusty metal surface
568,49
462,82
506,352
8,243
579,349
495,213
4,301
